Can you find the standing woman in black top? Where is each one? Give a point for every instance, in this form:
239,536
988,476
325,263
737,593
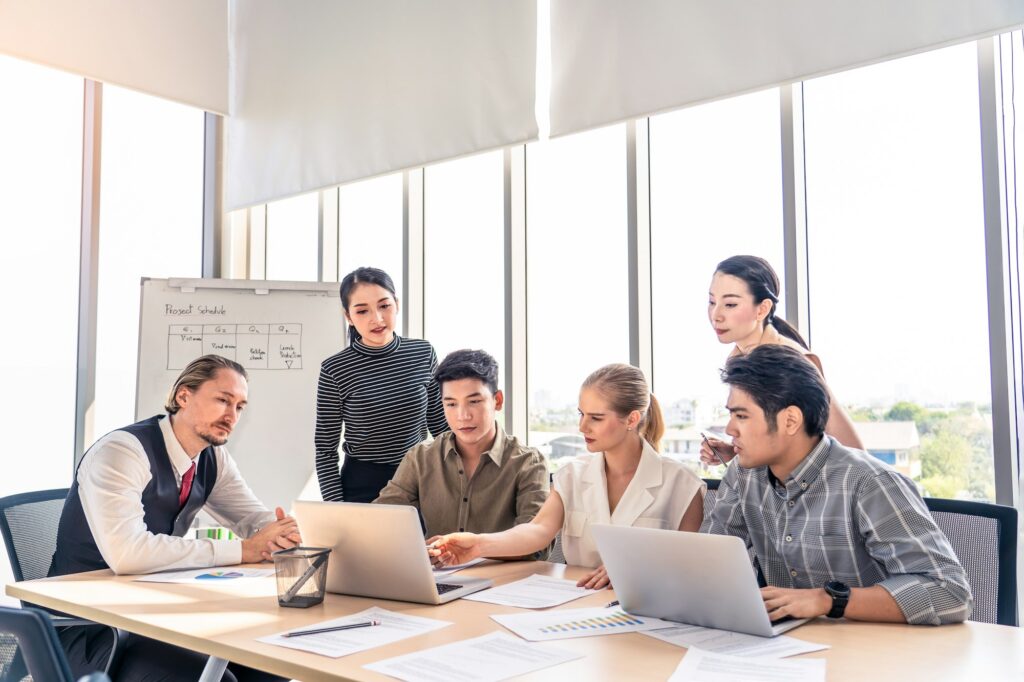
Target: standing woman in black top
380,388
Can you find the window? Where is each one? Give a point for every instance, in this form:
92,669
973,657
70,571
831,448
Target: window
716,191
40,210
577,273
464,255
151,225
897,261
370,227
293,235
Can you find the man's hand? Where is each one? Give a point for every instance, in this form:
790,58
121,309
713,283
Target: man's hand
595,580
725,452
453,549
280,534
797,603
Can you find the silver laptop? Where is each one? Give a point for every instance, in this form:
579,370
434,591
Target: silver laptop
691,578
378,551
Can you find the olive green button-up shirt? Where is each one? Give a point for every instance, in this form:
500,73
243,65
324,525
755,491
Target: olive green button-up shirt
509,486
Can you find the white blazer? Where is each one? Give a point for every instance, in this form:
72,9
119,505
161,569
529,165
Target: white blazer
657,497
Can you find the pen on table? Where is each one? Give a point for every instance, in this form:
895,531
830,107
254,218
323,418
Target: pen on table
712,448
351,626
294,589
611,604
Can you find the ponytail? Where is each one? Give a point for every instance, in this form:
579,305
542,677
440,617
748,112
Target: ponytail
652,427
786,329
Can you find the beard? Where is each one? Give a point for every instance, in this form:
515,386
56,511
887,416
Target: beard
210,438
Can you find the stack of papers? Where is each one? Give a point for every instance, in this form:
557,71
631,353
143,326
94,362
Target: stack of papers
496,656
394,627
570,623
733,643
535,592
205,574
703,666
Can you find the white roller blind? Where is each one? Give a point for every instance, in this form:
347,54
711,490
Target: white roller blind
326,91
614,60
176,49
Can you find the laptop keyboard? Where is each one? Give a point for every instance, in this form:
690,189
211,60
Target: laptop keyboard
447,587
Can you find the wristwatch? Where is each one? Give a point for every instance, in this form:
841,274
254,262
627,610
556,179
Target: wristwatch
840,593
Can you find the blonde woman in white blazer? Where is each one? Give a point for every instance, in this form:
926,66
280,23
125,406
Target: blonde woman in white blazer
624,482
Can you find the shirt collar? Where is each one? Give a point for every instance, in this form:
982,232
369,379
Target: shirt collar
496,453
179,460
809,467
390,348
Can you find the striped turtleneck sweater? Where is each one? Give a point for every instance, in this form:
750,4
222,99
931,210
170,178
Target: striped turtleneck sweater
385,397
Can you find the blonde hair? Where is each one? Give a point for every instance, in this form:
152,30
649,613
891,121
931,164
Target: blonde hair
198,372
626,389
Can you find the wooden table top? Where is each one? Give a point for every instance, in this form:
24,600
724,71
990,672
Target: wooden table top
224,619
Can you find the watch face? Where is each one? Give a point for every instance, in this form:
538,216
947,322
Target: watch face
837,588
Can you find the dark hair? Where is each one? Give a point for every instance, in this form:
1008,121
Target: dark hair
777,377
468,364
198,372
359,276
626,389
763,284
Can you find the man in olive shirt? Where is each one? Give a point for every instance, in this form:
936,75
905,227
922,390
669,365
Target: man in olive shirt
475,477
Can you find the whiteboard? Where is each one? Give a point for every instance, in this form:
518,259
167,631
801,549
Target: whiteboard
279,331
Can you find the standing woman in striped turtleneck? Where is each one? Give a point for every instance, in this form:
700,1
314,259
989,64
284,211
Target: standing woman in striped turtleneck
381,389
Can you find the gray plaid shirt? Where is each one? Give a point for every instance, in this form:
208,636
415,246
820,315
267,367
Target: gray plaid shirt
844,515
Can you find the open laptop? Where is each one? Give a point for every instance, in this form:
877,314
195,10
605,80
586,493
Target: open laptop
691,578
378,551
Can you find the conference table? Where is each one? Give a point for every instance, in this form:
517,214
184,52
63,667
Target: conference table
224,619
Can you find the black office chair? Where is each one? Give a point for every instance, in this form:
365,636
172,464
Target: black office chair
29,646
984,537
28,523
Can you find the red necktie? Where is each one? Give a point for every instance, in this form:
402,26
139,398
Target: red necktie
186,484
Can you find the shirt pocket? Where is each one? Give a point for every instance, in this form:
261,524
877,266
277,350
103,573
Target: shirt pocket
651,522
575,524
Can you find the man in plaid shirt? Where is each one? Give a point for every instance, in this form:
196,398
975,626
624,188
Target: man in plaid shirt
835,531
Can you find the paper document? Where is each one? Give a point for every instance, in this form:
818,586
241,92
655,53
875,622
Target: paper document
205,574
733,643
394,627
535,592
569,623
497,656
440,573
703,666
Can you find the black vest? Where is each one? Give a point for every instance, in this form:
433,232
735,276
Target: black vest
76,549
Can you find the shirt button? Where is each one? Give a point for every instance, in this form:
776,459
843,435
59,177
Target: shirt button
791,503
460,471
793,573
465,499
803,485
462,530
789,538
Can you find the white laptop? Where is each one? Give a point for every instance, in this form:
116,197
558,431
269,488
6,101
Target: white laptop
378,551
691,578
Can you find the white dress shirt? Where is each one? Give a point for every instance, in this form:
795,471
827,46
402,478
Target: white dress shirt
657,497
111,479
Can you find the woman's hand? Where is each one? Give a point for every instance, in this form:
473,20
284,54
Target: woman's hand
724,450
453,549
595,580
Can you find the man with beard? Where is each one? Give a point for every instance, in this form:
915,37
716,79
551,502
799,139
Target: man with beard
135,495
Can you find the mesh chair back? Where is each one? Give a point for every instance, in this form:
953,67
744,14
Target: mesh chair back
36,647
28,523
984,538
709,496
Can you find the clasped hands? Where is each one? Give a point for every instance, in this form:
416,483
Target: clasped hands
283,533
